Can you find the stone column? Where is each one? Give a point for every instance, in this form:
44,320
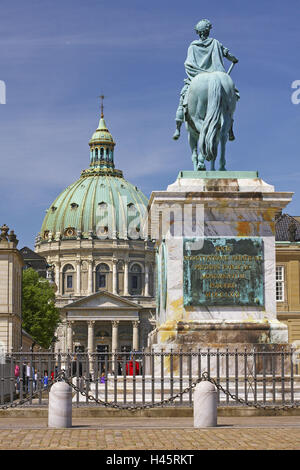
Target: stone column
126,276
90,277
57,278
64,348
64,343
114,336
90,346
146,290
69,336
115,277
135,335
78,280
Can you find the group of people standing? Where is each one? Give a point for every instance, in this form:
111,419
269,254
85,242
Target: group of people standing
28,377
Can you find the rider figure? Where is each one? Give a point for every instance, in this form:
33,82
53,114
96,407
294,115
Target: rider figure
204,55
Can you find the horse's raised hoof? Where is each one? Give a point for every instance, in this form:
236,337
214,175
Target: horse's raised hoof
231,136
201,168
176,135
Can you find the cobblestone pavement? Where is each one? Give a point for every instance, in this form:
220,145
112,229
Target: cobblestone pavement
280,433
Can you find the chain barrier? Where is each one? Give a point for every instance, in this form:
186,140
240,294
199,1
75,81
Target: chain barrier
205,376
62,377
135,407
252,404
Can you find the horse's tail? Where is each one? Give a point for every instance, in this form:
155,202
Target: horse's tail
208,142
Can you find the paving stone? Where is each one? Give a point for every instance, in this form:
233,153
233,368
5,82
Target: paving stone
153,434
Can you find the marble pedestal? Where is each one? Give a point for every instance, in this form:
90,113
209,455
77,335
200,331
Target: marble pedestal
215,206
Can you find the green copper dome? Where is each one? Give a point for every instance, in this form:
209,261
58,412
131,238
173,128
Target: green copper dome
100,204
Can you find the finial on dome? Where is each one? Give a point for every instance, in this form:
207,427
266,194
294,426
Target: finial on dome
101,106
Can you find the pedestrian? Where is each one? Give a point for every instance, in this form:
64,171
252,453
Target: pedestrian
45,379
28,375
23,376
35,380
17,376
119,365
102,378
76,366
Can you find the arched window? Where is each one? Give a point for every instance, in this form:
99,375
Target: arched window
102,206
131,209
135,279
102,272
96,154
68,278
102,228
101,153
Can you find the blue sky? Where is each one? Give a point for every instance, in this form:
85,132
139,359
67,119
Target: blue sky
57,57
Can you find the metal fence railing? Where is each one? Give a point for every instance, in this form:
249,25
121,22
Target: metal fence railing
266,376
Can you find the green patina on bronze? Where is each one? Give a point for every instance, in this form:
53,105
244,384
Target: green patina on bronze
218,174
224,271
208,99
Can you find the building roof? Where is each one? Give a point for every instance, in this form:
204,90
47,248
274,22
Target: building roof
29,254
34,261
287,228
104,300
103,306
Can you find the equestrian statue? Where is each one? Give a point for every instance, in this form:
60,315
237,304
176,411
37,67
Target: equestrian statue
208,99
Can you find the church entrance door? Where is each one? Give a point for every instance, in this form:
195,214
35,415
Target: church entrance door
103,359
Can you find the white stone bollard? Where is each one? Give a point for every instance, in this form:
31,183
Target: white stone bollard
60,406
205,405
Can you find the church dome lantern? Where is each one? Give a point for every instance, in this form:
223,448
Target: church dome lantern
102,146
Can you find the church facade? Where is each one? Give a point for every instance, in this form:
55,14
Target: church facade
102,266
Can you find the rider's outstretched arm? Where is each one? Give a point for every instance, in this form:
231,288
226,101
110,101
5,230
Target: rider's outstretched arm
231,57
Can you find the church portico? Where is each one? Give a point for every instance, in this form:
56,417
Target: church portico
96,335
100,322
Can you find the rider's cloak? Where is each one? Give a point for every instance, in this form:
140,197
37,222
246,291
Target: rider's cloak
205,56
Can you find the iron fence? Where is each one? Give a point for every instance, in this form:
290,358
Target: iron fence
154,378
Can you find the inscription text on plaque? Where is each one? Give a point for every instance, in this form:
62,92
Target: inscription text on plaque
225,271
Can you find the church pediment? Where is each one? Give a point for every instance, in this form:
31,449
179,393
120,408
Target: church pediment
102,300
